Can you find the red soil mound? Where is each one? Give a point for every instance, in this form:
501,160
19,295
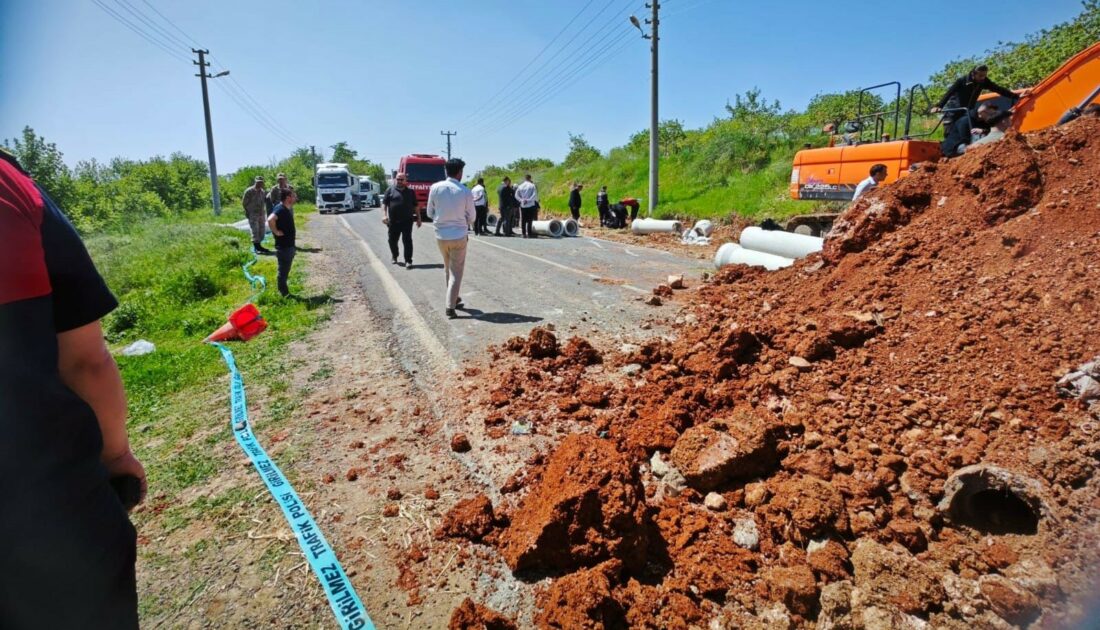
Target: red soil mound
927,337
472,616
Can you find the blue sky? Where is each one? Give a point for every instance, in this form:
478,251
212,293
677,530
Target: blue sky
389,76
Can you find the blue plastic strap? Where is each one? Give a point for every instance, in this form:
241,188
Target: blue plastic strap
345,602
258,282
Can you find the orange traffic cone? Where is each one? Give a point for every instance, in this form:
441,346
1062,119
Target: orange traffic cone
244,324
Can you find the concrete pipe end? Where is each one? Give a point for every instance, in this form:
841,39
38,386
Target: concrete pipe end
995,500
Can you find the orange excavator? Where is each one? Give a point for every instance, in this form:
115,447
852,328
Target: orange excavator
832,173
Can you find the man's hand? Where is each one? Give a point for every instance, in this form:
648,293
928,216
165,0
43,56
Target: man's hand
127,464
278,232
935,110
418,223
385,220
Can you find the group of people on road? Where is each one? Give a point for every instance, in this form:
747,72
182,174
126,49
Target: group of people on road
273,210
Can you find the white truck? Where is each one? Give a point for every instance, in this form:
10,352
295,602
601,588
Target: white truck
370,194
337,188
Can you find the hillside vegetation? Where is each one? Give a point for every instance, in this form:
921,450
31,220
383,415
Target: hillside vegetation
741,162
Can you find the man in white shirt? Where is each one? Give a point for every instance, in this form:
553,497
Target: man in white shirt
877,175
481,208
528,197
451,208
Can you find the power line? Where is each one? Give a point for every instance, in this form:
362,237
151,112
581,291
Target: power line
580,74
503,105
157,29
581,59
179,56
507,84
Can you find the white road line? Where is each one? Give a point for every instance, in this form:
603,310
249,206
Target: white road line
401,301
595,242
627,250
561,266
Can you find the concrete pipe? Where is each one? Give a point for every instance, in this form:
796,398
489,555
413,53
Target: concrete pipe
780,243
552,227
492,220
570,227
654,226
734,254
703,228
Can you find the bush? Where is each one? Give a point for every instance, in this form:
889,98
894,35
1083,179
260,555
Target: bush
192,285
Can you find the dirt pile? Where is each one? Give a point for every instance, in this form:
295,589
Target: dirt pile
472,616
828,404
587,507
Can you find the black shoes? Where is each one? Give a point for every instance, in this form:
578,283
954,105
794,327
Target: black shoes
451,314
408,264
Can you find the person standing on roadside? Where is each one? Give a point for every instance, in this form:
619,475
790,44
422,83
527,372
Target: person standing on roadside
575,201
603,206
275,195
399,213
63,422
451,209
506,203
254,202
528,197
481,208
281,223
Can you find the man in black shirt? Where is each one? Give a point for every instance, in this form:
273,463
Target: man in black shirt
603,206
399,212
964,92
67,548
281,223
506,196
575,201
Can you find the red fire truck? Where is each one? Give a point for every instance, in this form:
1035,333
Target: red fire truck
421,171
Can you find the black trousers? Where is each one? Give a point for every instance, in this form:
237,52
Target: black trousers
506,221
481,216
404,231
69,563
576,212
604,211
530,215
285,257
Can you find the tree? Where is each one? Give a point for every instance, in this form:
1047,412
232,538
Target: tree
45,163
531,164
341,152
581,152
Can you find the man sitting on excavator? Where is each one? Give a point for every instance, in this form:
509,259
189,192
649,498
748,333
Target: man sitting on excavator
964,93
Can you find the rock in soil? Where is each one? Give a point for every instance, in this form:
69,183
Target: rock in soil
588,507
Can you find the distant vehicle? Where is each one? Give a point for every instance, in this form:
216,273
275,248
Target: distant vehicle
421,171
370,195
337,188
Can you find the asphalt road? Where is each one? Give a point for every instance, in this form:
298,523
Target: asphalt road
579,284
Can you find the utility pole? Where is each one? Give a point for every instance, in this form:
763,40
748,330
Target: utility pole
654,122
313,154
654,149
203,76
448,134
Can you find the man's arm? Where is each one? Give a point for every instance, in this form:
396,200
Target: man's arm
947,95
1003,91
271,223
431,203
471,213
87,368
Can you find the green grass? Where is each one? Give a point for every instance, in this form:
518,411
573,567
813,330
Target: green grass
176,280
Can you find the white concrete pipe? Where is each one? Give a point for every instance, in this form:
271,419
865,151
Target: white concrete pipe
703,228
570,227
655,226
552,227
492,220
780,243
734,254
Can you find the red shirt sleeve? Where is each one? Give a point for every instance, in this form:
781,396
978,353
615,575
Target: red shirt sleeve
23,272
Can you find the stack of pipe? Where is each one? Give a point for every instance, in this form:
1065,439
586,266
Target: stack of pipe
771,249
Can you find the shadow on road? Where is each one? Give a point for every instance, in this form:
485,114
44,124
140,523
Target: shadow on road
498,318
431,266
315,301
310,250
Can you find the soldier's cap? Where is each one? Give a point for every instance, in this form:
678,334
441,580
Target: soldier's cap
259,179
281,176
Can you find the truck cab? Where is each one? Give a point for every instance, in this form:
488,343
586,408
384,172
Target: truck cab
337,188
421,171
369,193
